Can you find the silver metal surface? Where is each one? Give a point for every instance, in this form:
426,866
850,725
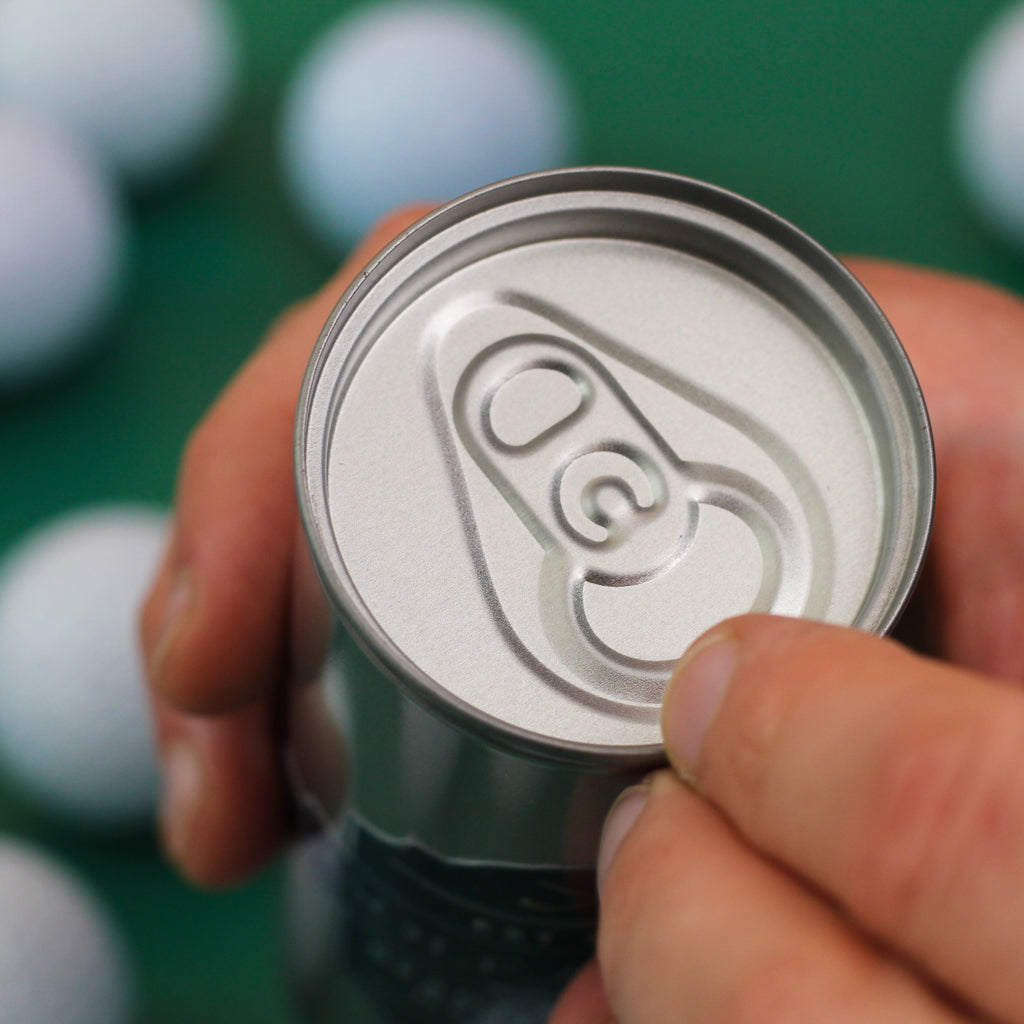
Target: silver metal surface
567,423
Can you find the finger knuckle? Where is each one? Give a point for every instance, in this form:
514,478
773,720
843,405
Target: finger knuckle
293,318
943,807
625,913
740,767
201,452
780,990
647,878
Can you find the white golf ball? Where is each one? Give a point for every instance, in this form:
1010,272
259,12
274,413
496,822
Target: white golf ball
148,82
62,249
407,102
75,729
989,124
62,960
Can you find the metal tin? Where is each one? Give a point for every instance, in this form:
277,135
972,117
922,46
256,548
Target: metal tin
554,432
568,422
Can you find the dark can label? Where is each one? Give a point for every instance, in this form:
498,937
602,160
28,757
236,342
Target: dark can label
427,941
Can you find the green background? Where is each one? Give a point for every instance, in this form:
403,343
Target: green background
834,114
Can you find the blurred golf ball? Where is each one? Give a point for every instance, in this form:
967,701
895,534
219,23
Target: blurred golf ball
62,248
75,729
406,102
147,82
61,959
989,124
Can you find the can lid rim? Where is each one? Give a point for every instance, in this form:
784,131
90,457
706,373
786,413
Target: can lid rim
587,179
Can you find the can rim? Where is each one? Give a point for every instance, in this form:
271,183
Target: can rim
342,592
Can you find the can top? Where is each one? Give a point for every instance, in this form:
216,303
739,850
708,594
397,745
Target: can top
568,422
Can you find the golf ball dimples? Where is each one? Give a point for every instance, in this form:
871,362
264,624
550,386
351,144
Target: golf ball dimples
989,124
75,726
62,249
406,102
61,959
147,82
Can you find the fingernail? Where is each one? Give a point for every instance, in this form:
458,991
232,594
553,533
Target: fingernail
183,787
177,611
619,823
695,694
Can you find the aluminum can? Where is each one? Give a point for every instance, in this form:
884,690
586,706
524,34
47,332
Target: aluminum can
558,429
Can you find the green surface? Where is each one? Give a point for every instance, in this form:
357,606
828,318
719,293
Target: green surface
835,114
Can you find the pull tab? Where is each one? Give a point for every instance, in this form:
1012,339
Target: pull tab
635,545
594,486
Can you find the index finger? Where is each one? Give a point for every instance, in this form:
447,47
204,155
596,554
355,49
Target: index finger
891,782
214,625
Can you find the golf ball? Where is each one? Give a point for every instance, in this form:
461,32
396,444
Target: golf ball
62,249
147,82
405,102
989,125
62,960
75,730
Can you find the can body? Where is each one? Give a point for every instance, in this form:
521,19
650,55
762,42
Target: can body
453,882
558,429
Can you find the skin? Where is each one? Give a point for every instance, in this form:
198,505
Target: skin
214,626
849,842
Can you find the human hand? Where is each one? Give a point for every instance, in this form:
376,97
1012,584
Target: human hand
215,625
853,850
854,838
966,342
